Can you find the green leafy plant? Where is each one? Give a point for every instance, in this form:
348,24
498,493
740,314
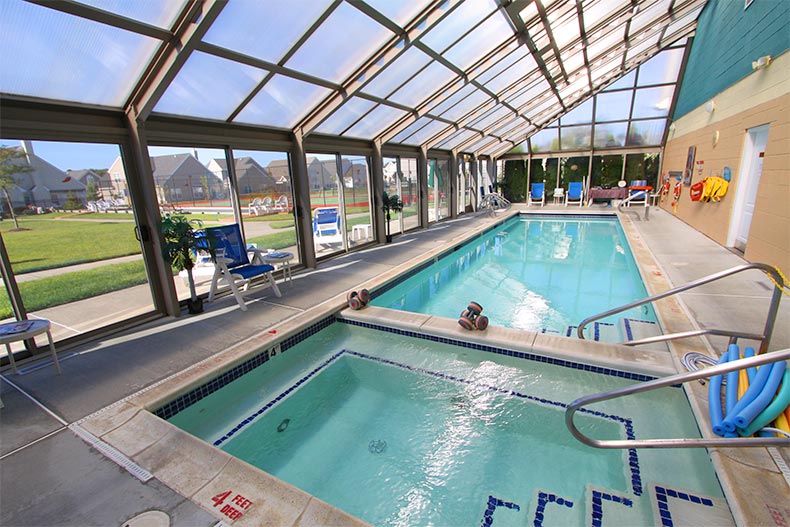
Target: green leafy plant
390,203
180,241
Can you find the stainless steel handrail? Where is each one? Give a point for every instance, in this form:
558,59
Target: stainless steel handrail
766,358
632,197
765,338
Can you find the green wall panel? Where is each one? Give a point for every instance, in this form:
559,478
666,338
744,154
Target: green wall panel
728,39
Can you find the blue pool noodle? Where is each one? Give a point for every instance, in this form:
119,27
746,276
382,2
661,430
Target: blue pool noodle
750,395
771,411
731,391
714,399
751,371
745,416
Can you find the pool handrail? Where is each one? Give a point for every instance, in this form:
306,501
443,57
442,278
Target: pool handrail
764,338
636,195
742,442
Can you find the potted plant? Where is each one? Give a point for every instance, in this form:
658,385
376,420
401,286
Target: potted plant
181,241
391,203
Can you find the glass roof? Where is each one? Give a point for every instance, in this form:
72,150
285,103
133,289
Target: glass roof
476,75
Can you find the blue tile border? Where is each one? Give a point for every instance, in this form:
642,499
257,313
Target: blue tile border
633,459
493,503
502,351
597,505
188,399
544,498
662,502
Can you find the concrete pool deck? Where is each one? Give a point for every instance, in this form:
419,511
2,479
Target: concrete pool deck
51,477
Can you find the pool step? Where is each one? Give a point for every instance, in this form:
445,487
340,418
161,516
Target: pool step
599,332
636,329
673,506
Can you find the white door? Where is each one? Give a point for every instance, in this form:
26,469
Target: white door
748,181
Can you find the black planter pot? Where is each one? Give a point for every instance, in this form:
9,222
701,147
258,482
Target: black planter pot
195,306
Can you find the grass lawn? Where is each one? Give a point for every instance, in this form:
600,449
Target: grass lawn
70,287
53,243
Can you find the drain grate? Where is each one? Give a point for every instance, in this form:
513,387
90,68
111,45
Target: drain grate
114,455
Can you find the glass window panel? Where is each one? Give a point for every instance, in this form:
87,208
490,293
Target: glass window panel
209,86
545,104
490,117
573,169
681,23
398,11
161,14
266,30
398,72
426,133
626,81
573,60
59,56
438,189
392,186
456,139
453,99
508,127
642,166
546,140
595,11
529,13
544,170
339,45
409,193
282,102
520,70
474,147
608,135
576,137
662,68
648,13
505,64
411,129
646,133
426,83
375,122
463,17
606,39
480,41
72,177
325,203
579,115
467,105
607,170
575,89
653,102
640,48
614,106
267,176
356,200
539,87
345,116
566,30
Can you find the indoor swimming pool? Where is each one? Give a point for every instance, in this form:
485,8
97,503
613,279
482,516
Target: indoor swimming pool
400,428
543,273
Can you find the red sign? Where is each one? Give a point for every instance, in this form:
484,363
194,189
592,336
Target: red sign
235,509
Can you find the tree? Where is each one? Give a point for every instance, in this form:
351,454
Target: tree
8,169
72,202
390,203
91,190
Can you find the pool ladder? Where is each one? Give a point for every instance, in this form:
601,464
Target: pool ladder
764,338
763,357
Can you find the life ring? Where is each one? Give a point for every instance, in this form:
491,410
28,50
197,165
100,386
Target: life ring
695,190
676,194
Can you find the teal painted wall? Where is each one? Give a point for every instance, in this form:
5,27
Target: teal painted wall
728,39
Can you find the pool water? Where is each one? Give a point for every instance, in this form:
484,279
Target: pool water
542,274
399,430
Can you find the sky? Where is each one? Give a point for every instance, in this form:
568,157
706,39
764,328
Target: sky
76,156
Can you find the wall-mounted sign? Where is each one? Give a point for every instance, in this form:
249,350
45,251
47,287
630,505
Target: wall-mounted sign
689,166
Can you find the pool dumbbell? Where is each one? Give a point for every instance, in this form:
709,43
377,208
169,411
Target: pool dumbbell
357,301
471,318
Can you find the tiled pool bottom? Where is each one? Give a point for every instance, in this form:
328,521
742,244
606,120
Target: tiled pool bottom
507,487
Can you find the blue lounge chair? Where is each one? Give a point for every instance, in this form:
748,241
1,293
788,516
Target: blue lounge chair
639,194
575,193
327,228
537,194
233,266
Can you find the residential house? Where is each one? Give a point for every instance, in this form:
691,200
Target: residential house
101,180
252,179
44,186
